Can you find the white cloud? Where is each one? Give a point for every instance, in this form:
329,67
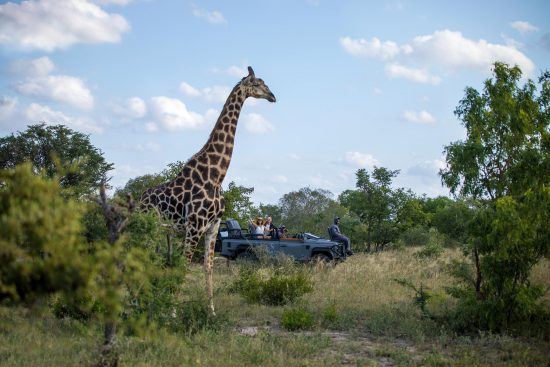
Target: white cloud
370,49
213,94
211,115
257,124
444,49
359,159
421,117
131,109
212,17
396,70
453,51
233,70
151,127
293,156
113,2
237,71
523,27
51,24
7,106
38,113
189,90
172,114
216,93
58,88
35,67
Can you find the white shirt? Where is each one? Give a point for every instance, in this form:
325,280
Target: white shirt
258,230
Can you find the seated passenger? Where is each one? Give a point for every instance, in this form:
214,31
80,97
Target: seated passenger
336,235
269,228
257,227
282,231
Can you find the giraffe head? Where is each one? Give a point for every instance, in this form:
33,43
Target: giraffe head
255,87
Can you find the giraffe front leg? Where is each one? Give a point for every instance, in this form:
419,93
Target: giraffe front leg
192,237
209,243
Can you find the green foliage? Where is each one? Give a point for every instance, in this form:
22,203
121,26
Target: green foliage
136,186
383,211
238,204
275,288
330,315
434,246
40,245
80,165
415,236
93,223
453,220
194,315
504,164
297,319
422,294
308,210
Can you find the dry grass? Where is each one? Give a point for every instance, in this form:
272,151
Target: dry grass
373,322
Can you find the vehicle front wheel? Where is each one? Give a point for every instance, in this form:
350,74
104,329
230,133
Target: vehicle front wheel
320,258
246,255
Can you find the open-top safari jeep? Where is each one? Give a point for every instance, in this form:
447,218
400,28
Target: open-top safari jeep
234,242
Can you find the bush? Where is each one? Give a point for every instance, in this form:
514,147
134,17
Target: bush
434,247
275,289
41,251
194,315
297,319
330,315
416,236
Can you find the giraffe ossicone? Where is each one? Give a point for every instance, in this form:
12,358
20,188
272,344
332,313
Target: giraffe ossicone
193,200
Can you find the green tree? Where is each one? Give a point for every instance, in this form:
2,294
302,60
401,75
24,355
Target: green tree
58,151
377,205
309,210
40,244
238,204
504,165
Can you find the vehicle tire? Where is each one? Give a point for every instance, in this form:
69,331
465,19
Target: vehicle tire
246,255
321,258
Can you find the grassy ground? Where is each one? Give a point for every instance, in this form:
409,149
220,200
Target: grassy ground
362,318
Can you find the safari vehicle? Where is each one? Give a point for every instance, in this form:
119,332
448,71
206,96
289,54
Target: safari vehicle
233,242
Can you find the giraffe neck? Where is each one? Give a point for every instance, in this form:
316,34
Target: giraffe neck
219,147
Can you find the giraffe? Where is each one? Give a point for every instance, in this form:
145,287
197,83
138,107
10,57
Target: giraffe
192,201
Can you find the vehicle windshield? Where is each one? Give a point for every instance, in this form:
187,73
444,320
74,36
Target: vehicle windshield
309,235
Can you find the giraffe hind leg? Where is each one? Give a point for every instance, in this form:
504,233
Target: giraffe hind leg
209,243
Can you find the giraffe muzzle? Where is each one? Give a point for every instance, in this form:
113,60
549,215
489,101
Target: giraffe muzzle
271,98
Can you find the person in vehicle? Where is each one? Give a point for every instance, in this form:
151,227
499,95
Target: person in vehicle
269,227
336,235
257,227
281,231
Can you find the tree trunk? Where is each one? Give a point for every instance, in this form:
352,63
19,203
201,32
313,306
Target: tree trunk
478,273
170,251
109,353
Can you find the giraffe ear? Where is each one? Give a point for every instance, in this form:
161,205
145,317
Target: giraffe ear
251,72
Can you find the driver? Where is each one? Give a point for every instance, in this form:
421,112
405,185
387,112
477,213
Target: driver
336,235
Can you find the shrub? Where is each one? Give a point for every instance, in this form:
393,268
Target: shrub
416,236
434,247
40,244
330,315
194,315
297,319
275,289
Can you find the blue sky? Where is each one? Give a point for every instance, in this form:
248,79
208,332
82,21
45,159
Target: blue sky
358,83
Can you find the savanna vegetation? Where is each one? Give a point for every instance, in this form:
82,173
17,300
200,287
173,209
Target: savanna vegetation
461,280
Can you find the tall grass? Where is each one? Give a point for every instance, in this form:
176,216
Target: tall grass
360,316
